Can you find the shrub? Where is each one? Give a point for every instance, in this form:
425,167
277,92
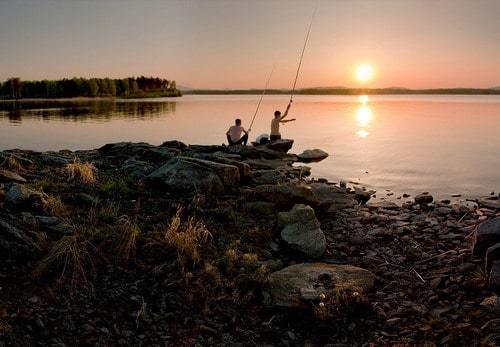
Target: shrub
81,172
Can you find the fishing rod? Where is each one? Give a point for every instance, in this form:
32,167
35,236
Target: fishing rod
261,97
303,50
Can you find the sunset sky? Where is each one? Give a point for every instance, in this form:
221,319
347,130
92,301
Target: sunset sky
234,44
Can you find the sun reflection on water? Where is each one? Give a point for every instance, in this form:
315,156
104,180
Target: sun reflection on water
364,116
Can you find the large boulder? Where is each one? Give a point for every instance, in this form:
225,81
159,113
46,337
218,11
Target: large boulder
9,176
287,194
191,175
312,156
331,197
298,285
139,150
282,145
487,234
228,159
137,169
302,232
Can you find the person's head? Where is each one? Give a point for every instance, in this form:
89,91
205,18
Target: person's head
237,122
277,114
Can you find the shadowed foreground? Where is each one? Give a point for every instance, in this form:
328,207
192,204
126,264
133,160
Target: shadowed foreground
177,245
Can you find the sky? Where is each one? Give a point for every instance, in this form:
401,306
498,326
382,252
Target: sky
236,43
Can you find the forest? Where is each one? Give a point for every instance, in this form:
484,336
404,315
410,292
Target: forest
136,87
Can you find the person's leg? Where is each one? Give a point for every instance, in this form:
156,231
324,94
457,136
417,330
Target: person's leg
229,140
244,139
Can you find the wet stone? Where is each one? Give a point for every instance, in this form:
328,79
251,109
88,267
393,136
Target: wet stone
486,235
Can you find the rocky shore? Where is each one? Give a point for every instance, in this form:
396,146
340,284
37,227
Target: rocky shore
177,245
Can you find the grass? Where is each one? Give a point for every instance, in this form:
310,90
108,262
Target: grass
105,214
186,238
126,240
82,172
116,186
54,206
74,257
12,163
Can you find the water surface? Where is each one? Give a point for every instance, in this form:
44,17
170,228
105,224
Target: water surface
442,144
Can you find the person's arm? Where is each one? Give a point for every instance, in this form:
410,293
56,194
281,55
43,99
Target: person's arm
228,130
245,131
287,109
287,120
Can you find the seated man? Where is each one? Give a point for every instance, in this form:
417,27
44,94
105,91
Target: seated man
275,123
234,134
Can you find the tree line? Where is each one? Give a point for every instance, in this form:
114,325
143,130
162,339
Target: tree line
14,88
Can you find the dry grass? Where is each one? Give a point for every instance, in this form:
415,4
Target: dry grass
74,257
250,257
81,172
54,206
106,214
12,163
186,238
126,240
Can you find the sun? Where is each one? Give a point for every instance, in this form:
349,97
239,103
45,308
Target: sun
364,72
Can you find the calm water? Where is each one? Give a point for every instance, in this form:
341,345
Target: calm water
442,144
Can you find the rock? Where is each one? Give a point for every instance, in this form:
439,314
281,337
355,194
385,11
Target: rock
288,194
9,176
297,285
245,171
491,304
86,199
259,208
494,279
442,211
312,156
174,144
385,205
361,195
53,158
489,202
14,242
487,234
331,197
190,175
492,255
20,195
424,199
138,150
282,145
47,220
302,231
137,169
261,177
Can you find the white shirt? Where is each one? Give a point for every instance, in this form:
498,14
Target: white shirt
235,132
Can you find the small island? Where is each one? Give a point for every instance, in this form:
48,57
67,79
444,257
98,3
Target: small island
131,87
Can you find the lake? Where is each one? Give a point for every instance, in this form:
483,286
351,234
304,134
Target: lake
401,144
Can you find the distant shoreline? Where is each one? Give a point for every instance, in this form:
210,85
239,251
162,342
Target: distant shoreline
347,91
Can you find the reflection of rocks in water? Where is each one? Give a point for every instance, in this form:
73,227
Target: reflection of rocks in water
80,110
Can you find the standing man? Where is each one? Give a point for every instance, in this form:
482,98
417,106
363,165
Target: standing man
275,123
234,134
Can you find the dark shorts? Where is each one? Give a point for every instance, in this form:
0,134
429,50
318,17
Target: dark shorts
275,137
